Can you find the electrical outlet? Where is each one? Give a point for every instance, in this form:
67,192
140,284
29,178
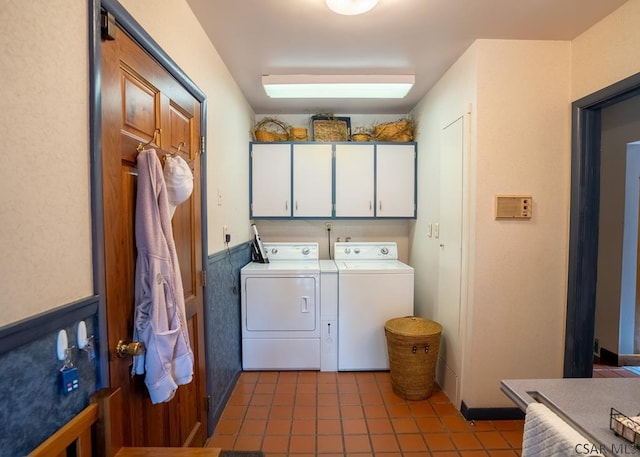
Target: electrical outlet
436,230
328,226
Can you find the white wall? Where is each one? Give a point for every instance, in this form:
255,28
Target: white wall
45,235
446,102
516,271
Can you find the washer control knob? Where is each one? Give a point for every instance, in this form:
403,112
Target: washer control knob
274,250
305,251
347,250
384,251
356,250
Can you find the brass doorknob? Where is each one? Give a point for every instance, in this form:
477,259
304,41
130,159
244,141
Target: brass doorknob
124,349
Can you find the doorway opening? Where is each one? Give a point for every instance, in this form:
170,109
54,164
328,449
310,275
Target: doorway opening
584,223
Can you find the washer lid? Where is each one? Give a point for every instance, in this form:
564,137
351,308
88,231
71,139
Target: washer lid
372,266
283,267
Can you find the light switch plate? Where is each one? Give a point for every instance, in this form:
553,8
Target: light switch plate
429,230
436,230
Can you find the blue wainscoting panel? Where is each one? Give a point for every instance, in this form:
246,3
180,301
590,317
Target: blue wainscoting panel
222,326
33,406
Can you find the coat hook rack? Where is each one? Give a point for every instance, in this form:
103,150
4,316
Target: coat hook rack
141,146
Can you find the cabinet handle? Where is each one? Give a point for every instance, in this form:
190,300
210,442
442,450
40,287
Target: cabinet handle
380,205
286,205
296,205
370,206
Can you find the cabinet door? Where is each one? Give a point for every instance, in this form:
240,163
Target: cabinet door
312,181
354,180
271,180
395,180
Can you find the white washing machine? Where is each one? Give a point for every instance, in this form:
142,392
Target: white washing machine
280,309
373,287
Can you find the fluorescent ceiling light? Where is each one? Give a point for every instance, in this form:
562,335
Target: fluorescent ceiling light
337,86
351,7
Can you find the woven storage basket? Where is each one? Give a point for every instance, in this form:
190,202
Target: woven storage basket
400,131
269,130
359,137
298,134
413,344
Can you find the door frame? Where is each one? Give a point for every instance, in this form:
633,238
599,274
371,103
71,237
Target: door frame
584,221
144,40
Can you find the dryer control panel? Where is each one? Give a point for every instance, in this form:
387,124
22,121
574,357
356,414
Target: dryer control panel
365,251
292,251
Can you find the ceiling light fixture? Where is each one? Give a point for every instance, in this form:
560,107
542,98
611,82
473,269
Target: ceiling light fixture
337,86
351,7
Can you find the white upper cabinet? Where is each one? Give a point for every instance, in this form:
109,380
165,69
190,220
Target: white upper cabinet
395,180
271,180
354,183
326,180
312,168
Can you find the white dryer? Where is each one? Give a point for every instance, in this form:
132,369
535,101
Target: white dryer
373,287
280,309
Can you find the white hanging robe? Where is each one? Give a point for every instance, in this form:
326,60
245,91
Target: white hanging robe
160,319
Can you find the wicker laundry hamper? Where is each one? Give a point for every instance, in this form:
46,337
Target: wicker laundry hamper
413,344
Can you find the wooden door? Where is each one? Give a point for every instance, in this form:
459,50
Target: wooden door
139,97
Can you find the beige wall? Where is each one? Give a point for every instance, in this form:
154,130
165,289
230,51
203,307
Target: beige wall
520,143
514,273
520,268
607,52
45,235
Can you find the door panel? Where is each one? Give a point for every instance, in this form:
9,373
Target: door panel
281,304
450,259
142,103
271,180
312,168
354,180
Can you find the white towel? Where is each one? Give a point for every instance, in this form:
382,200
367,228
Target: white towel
546,435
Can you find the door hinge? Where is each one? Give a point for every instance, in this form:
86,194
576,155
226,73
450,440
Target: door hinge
204,277
202,144
208,403
107,26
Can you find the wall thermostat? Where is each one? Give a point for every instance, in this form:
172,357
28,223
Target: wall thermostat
514,206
